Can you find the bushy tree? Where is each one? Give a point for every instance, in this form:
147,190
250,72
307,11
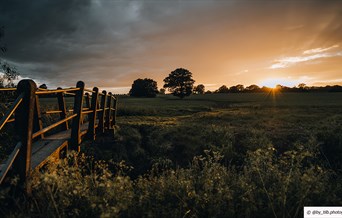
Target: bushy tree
144,88
252,88
179,82
162,91
8,73
200,89
237,88
302,87
43,86
222,89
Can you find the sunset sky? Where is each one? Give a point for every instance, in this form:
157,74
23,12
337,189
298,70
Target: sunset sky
111,43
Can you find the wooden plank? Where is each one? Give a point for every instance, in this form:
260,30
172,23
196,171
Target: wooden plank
4,168
51,145
43,149
48,128
56,91
60,135
10,111
36,146
82,133
67,133
42,155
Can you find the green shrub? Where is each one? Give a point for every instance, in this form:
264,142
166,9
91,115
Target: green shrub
78,187
281,185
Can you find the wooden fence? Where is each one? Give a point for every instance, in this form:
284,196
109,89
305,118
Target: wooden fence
35,145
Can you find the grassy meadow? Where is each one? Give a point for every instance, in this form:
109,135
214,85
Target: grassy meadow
214,155
230,123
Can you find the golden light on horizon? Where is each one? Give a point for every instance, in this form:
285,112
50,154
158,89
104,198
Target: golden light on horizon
274,82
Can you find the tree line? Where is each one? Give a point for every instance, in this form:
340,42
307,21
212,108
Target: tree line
302,87
181,84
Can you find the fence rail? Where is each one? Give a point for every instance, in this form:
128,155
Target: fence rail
100,107
6,118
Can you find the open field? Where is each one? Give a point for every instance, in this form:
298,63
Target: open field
167,105
239,120
217,155
287,111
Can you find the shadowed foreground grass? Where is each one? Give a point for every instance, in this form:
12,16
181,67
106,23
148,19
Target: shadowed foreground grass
265,185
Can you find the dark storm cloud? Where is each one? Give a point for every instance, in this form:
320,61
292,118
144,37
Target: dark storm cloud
113,42
39,34
39,25
51,40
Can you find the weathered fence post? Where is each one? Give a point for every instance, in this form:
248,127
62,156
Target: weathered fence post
92,116
37,124
102,113
87,100
24,118
87,104
62,108
108,112
114,111
75,139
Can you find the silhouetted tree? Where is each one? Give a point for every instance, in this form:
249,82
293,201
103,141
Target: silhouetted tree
237,88
222,89
9,73
199,89
301,85
279,86
266,89
179,82
252,88
144,88
43,86
162,91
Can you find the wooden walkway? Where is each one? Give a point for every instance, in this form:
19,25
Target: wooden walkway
52,145
35,148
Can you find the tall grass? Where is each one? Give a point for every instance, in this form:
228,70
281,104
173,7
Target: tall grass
265,185
203,157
